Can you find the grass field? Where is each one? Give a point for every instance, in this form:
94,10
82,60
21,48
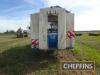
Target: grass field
88,48
17,58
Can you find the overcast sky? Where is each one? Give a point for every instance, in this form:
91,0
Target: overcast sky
16,13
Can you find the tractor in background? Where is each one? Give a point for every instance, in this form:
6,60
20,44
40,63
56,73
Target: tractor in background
21,33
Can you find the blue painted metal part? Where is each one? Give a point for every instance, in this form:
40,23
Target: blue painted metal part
52,40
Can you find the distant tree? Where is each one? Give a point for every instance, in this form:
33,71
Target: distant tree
1,33
10,32
6,32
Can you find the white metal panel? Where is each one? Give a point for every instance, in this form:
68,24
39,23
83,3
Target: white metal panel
39,26
43,30
62,30
69,26
35,26
70,22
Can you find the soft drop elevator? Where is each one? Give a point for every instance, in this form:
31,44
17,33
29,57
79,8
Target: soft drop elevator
50,28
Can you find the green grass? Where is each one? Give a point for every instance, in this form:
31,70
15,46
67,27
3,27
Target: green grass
88,48
17,58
